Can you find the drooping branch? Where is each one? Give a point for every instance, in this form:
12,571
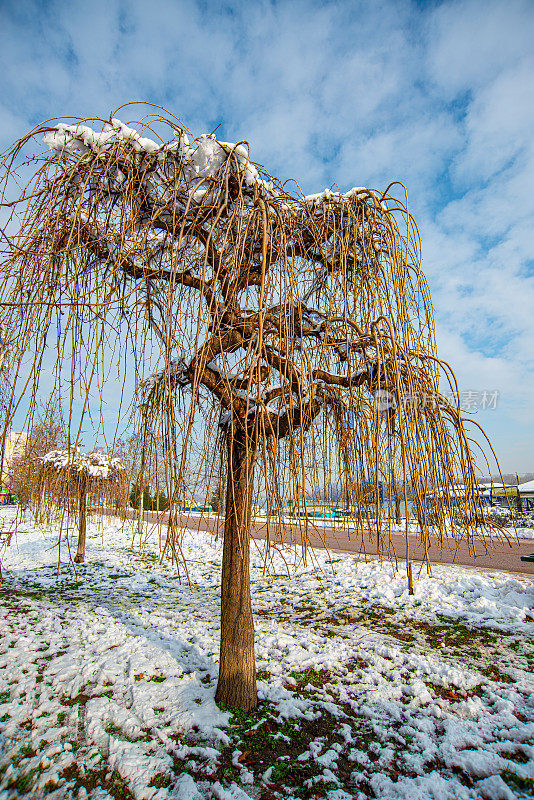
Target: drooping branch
287,318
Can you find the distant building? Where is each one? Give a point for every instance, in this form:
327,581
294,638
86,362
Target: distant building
526,493
14,448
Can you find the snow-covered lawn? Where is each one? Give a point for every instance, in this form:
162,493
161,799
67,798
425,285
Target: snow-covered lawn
108,676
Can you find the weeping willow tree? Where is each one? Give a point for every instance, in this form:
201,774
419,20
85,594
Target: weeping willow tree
281,345
65,478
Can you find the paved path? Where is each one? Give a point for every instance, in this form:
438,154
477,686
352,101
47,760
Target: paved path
498,556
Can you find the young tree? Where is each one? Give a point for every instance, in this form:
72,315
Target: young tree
160,502
280,320
68,476
217,499
141,499
135,495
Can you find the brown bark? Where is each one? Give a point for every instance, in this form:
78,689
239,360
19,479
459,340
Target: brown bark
410,577
82,509
237,665
396,496
398,518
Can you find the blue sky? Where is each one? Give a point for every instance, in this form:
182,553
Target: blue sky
438,95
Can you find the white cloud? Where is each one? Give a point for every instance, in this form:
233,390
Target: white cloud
470,42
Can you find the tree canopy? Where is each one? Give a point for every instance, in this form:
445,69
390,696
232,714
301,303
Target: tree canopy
302,324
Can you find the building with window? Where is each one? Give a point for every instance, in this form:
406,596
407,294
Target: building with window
14,448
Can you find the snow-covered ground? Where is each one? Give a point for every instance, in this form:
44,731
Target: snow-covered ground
108,676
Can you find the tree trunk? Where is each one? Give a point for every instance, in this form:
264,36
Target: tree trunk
237,665
396,497
140,512
398,519
141,477
82,506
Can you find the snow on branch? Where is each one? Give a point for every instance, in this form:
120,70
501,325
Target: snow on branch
92,465
200,160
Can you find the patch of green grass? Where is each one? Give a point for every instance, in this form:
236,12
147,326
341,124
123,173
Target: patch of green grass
267,741
24,752
161,780
517,783
112,729
283,770
519,756
495,674
311,677
320,788
97,779
462,634
4,696
239,716
454,695
80,699
118,733
24,783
